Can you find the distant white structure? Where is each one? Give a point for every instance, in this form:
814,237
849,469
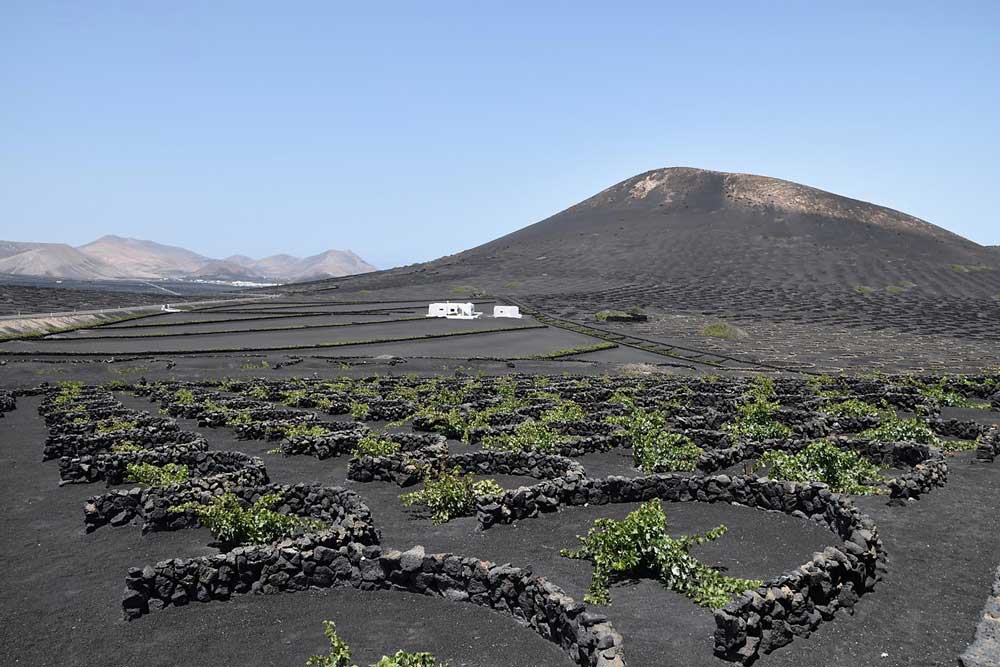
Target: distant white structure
168,309
507,311
453,311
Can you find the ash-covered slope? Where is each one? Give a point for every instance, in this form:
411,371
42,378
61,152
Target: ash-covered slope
708,228
674,223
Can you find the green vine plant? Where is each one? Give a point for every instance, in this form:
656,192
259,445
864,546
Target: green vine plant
948,397
114,425
234,525
844,471
375,445
529,435
359,410
755,414
69,391
855,408
184,397
639,545
895,429
154,475
305,430
339,654
564,411
451,494
654,447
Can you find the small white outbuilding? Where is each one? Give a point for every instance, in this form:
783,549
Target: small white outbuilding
507,311
453,311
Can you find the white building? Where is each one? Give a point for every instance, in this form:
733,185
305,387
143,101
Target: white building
507,311
453,311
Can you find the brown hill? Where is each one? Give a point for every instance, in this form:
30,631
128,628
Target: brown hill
147,259
58,261
118,257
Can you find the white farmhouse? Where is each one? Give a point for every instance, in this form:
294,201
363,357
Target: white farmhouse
453,311
507,311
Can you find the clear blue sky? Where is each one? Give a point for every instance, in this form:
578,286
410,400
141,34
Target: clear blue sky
409,130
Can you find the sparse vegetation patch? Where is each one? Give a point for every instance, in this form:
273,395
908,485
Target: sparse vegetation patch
639,545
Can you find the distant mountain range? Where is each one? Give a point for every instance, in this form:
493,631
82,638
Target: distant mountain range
115,257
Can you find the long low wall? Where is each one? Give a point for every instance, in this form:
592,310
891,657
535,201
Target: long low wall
792,604
326,562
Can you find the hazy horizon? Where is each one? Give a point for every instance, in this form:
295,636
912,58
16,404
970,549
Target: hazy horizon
404,132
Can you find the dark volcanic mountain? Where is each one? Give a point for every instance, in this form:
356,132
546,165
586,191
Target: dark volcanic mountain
708,229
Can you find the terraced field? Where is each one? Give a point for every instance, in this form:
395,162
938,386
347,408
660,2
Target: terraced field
822,503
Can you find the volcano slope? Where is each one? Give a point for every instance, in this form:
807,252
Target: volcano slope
806,277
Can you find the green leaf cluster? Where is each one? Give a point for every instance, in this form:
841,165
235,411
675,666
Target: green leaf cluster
639,545
184,397
844,471
451,494
69,391
114,425
755,418
855,408
305,430
564,411
654,447
373,445
154,475
529,435
233,525
895,429
949,397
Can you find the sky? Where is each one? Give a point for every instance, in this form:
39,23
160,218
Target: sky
406,131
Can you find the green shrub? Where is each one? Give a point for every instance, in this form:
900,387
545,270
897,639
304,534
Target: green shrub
234,525
949,397
895,429
843,470
239,418
305,430
722,330
69,391
666,452
125,447
864,289
529,435
952,446
259,392
855,408
654,447
373,445
451,494
359,410
294,397
154,475
639,544
564,411
184,397
755,414
339,655
115,425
